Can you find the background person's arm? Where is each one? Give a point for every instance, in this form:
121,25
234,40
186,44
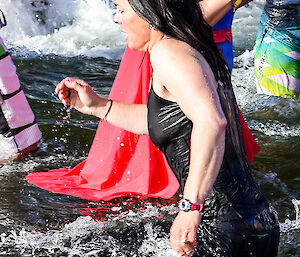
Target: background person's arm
214,10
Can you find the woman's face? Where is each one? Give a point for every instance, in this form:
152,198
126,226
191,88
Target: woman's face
137,29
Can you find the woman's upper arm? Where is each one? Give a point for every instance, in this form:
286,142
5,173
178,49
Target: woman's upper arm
188,78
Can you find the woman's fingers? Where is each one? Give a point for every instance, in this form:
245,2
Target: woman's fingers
78,94
66,86
61,85
184,232
63,92
69,83
191,237
183,242
81,82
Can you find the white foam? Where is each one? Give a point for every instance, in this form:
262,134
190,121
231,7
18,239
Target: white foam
275,128
290,225
66,28
246,20
8,147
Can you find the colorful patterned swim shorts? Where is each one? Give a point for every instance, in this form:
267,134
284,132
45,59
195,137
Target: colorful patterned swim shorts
277,57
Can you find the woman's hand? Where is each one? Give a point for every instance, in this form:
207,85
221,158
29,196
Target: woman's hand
184,232
81,96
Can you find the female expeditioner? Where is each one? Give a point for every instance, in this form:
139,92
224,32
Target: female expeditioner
192,116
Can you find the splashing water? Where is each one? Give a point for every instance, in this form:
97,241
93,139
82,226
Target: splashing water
67,116
128,233
290,225
110,238
65,28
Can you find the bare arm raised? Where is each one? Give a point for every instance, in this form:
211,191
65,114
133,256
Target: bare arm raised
213,10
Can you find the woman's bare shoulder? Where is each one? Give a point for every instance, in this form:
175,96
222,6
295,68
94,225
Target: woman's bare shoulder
173,53
168,48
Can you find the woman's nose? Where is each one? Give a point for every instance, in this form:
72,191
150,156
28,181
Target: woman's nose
117,18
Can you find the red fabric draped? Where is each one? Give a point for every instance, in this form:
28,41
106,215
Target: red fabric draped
121,163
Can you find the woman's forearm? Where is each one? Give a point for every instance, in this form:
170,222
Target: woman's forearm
131,117
207,150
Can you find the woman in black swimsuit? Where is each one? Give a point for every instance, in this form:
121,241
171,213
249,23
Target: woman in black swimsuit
192,117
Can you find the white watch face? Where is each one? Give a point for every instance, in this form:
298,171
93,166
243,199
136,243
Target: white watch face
184,205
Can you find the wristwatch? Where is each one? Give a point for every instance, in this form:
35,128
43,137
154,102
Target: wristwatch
186,205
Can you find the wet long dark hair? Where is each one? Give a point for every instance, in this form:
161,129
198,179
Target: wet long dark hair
183,20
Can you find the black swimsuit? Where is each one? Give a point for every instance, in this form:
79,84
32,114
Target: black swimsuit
237,218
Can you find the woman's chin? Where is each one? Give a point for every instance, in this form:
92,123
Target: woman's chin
134,47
